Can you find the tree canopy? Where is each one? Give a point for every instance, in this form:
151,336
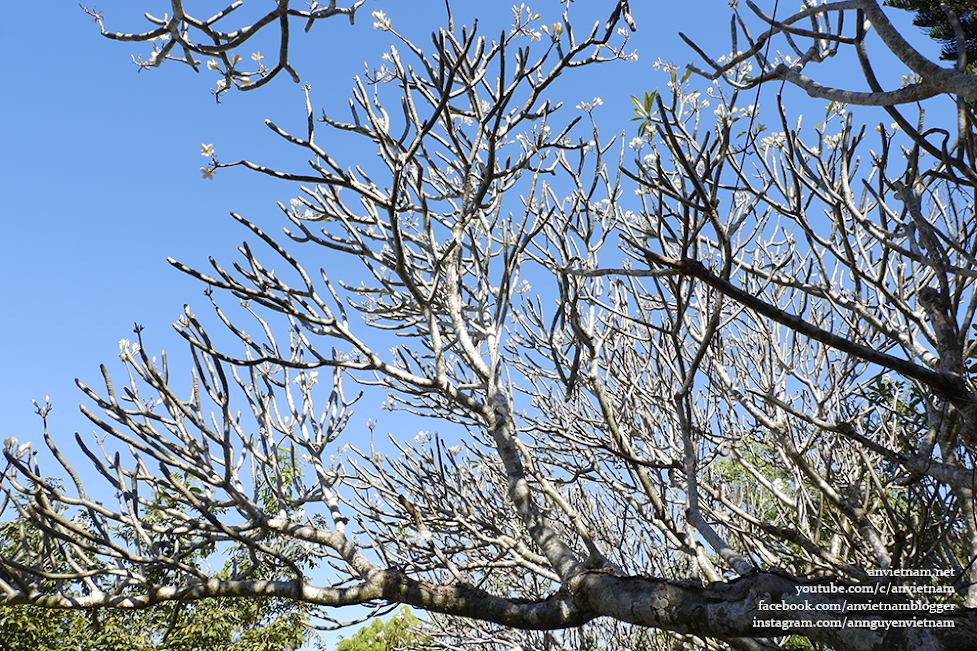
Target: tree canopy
398,632
950,23
707,386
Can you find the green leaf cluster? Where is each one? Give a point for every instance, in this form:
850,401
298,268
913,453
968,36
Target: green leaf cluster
209,625
937,26
644,109
398,632
224,624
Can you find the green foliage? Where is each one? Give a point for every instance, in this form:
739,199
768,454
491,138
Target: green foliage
799,642
245,624
29,628
644,109
937,26
396,633
211,625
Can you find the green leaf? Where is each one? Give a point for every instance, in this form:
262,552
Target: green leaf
650,100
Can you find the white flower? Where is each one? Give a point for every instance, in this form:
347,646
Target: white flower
584,106
307,379
777,140
126,349
207,150
235,58
667,65
910,79
649,159
221,84
723,116
421,437
838,108
213,65
14,450
637,143
831,142
257,57
382,22
207,173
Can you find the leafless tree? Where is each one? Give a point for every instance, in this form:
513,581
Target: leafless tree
176,34
731,373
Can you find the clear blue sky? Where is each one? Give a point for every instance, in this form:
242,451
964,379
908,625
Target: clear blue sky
100,180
